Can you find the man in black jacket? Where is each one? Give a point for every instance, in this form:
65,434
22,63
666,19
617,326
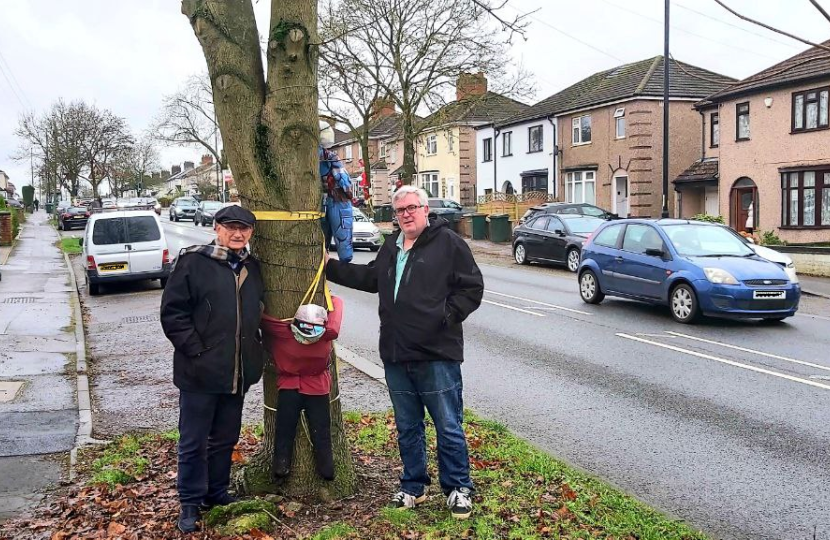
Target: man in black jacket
210,311
427,284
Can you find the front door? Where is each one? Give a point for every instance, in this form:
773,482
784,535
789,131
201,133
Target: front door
710,204
742,202
621,190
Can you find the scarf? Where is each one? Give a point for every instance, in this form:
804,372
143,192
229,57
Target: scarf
220,253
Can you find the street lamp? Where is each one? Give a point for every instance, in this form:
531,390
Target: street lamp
665,212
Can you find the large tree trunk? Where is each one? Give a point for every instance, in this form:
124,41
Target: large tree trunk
409,167
271,135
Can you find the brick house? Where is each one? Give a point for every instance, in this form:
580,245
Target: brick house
446,148
766,151
600,140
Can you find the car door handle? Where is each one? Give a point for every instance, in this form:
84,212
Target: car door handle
619,259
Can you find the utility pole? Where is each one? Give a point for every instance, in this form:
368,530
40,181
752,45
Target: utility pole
665,212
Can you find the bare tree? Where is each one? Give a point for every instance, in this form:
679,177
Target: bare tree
131,167
270,127
414,52
188,118
106,136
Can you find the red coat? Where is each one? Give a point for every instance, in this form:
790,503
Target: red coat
302,367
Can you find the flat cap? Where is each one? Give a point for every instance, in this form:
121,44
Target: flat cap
233,213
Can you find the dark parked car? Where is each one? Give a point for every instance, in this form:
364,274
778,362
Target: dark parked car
74,217
183,208
553,238
583,209
446,208
693,267
205,211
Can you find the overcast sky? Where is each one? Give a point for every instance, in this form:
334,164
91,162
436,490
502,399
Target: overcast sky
125,55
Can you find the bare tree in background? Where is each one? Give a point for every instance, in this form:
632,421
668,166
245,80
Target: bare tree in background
133,165
188,118
414,52
106,136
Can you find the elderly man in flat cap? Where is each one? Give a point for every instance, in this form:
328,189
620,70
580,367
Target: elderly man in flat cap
210,311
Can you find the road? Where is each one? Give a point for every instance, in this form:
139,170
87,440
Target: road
723,424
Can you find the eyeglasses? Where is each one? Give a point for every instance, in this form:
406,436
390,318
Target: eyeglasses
408,209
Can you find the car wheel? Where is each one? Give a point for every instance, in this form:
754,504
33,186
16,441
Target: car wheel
520,254
683,304
589,288
94,289
195,222
573,259
163,282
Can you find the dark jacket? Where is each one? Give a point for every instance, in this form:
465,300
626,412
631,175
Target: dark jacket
441,285
199,307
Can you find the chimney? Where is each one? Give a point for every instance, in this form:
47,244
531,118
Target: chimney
175,169
207,159
383,108
470,85
188,165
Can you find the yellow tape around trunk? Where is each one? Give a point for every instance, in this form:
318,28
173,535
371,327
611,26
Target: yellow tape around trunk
285,215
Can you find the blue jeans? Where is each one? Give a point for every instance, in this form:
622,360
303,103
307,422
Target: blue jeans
437,386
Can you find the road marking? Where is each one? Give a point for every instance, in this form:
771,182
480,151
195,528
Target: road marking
725,361
552,306
513,308
752,351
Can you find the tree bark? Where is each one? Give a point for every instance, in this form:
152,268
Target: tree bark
271,136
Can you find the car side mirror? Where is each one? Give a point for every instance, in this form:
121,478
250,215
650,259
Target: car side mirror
654,252
560,232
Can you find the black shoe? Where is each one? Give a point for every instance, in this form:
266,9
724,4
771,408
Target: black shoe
223,500
188,518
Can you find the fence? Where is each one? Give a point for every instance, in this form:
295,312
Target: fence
514,205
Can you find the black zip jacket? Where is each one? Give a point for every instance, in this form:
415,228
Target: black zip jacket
211,314
441,285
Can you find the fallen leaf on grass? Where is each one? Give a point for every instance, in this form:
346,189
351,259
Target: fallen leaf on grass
567,493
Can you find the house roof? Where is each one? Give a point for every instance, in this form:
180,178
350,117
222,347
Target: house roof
811,64
702,170
639,79
341,136
487,108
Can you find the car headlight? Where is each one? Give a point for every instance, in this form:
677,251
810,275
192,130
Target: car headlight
720,276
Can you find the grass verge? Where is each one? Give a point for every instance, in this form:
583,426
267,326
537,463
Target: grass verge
71,245
128,488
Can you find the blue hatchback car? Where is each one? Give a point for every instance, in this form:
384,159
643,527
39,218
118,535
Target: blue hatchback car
695,268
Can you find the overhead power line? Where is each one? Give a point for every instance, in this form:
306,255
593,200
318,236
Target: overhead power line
701,36
11,78
742,29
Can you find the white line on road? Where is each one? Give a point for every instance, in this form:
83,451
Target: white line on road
552,306
513,308
725,361
752,351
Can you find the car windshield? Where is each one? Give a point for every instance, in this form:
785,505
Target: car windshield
357,215
583,225
213,206
706,241
77,210
186,202
593,211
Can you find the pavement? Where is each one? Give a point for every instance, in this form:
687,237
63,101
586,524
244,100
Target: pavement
38,407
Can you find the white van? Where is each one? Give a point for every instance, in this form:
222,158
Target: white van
125,246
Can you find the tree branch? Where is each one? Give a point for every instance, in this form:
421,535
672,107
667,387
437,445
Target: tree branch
773,29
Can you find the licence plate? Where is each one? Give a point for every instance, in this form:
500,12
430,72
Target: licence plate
79,217
112,267
769,295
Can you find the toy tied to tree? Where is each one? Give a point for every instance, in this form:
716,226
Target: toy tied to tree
337,198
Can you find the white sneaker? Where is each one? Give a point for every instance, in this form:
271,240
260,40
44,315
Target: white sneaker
405,500
460,503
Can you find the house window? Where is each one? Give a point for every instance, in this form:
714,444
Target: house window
348,151
535,139
714,130
742,121
391,154
582,129
535,183
432,145
810,109
429,181
382,150
619,122
507,143
580,187
805,200
487,149
450,141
